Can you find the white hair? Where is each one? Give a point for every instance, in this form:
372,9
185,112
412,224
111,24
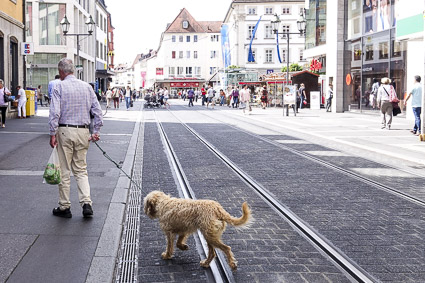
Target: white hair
1,82
66,65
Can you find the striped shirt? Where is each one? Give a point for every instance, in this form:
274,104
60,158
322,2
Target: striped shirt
72,102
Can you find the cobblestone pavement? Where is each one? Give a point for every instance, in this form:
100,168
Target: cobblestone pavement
381,232
157,175
269,250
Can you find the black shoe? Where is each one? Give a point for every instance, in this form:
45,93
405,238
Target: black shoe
87,210
62,213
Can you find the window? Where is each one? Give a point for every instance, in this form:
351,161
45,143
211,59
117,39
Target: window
214,38
250,31
286,28
195,38
50,17
301,11
383,50
185,24
172,71
369,52
269,11
197,71
188,38
1,55
269,32
212,70
213,54
104,53
173,54
286,10
179,71
357,52
252,11
105,25
181,54
188,71
301,54
187,54
173,38
283,55
29,21
195,54
269,55
181,38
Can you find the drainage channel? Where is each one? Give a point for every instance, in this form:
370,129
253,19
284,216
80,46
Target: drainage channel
128,258
218,267
342,261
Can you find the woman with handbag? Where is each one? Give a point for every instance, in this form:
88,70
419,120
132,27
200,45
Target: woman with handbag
4,102
386,95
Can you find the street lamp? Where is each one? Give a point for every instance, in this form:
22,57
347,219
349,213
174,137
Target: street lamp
301,28
65,29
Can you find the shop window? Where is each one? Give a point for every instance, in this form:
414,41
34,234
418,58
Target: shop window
357,53
369,52
383,50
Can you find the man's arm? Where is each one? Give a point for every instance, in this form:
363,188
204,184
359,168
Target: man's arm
54,115
96,111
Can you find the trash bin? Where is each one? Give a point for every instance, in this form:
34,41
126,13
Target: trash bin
30,102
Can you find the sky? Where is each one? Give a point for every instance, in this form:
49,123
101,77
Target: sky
139,23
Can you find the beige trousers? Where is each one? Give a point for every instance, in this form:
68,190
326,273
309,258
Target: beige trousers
73,144
386,109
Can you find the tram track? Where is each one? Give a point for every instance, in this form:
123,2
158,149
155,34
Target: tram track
350,268
345,171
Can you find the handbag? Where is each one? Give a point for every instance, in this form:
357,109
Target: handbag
304,102
396,108
7,98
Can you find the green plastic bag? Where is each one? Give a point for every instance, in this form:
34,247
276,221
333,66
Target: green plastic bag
52,173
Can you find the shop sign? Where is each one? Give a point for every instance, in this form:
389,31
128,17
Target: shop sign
159,71
368,69
315,65
184,84
27,48
270,71
348,79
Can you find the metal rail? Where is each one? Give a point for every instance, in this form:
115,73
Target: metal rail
340,259
219,269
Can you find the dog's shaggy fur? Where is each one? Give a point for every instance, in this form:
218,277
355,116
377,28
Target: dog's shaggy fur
183,217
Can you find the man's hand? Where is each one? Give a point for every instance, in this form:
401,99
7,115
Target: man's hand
94,137
53,141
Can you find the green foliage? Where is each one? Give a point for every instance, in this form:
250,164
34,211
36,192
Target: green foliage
233,67
294,67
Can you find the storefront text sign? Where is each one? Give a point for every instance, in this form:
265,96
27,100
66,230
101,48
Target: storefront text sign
184,84
159,71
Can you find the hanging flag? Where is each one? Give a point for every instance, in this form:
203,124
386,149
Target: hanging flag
277,44
250,55
225,45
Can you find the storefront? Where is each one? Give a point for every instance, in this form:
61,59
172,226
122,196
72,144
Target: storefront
372,51
176,85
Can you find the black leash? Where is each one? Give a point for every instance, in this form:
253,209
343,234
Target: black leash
116,164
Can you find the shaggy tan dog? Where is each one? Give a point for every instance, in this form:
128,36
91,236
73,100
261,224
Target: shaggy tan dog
183,217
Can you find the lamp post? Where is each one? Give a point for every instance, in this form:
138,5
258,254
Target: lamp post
301,28
65,28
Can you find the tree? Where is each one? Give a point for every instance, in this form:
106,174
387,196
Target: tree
294,67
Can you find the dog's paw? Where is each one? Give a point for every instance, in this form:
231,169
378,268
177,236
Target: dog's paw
164,255
233,265
204,263
183,247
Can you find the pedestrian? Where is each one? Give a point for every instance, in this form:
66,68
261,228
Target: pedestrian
50,87
302,95
264,97
416,94
72,103
22,103
222,97
3,104
329,96
245,96
40,95
374,93
134,94
197,94
108,97
210,96
203,95
190,95
116,97
184,94
385,93
127,95
166,97
235,96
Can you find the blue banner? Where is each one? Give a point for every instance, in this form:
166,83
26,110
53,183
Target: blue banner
250,55
277,44
225,45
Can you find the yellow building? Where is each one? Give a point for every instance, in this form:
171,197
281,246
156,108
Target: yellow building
11,37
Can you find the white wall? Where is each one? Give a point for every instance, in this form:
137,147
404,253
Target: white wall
414,55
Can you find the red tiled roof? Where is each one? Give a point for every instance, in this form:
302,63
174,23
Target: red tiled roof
194,26
211,26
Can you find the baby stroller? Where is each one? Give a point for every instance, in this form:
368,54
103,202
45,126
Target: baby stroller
151,101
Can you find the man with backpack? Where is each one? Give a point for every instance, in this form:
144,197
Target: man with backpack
190,95
235,95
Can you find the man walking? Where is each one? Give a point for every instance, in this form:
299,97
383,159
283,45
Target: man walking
51,85
416,94
72,103
190,95
22,103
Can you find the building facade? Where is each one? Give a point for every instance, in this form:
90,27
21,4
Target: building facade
242,18
50,45
11,37
189,54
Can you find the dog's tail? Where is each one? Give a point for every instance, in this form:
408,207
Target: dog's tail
244,219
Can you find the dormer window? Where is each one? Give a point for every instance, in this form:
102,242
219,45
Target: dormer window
185,24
